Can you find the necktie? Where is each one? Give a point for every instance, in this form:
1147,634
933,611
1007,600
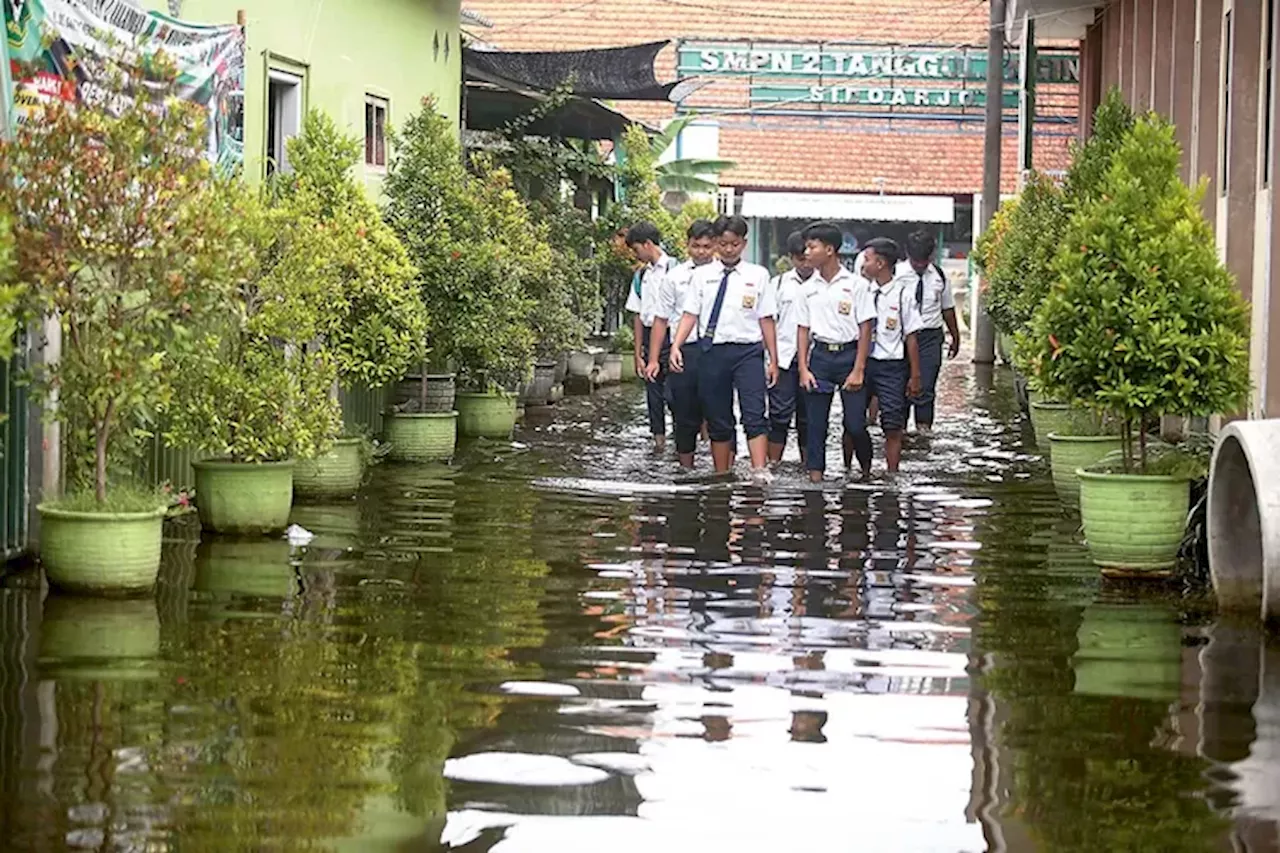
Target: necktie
708,337
920,292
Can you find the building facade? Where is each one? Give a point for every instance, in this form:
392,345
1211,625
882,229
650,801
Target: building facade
1209,67
367,64
866,113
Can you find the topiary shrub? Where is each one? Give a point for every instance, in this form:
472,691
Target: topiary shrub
1145,320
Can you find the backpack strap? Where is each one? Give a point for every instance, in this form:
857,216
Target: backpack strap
941,274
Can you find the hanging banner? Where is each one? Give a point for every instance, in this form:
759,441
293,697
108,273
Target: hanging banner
63,48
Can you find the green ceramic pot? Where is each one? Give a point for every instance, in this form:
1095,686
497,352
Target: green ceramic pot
335,474
1128,650
255,567
1070,452
1134,524
92,553
1062,418
421,438
100,639
244,498
486,415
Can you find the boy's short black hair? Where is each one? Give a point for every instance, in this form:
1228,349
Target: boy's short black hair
643,232
795,243
885,248
701,228
825,233
731,225
921,246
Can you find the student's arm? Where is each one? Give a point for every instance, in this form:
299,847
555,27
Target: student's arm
858,377
687,322
659,331
639,336
802,355
913,359
769,328
949,315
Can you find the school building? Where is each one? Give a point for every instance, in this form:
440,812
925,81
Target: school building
1209,67
866,113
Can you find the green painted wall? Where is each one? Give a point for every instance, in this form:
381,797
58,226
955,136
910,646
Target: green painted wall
345,49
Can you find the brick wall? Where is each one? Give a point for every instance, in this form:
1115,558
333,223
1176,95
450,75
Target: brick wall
794,152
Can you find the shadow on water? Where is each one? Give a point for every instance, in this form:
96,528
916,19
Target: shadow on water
560,643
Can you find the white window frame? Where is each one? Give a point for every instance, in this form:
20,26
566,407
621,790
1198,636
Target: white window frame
287,116
383,103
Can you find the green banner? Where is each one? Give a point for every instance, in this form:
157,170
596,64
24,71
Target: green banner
854,62
62,48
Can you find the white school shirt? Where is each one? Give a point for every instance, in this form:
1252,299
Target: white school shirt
896,317
937,294
833,310
787,292
748,299
645,303
673,293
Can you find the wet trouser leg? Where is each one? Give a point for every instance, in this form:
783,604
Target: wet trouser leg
887,380
930,343
834,368
656,391
753,390
686,408
782,405
715,391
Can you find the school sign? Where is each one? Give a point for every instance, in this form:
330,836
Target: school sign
937,79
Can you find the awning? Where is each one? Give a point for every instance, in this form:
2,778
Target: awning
849,207
612,73
490,107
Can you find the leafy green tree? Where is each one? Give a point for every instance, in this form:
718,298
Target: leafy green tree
478,255
1091,160
684,174
1145,320
1023,270
123,234
375,324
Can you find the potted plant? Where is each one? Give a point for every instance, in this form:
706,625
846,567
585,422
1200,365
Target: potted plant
124,235
1145,321
478,257
374,324
623,345
257,395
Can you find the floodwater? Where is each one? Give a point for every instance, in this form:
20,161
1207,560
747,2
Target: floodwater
561,645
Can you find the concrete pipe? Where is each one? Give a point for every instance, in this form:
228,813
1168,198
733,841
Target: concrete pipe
1244,518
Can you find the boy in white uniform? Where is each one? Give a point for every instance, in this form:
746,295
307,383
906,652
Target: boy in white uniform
835,321
732,307
893,370
682,388
645,241
936,306
785,398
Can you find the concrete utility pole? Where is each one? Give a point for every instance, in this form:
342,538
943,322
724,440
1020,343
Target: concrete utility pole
984,334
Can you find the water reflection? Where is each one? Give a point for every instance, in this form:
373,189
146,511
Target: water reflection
554,644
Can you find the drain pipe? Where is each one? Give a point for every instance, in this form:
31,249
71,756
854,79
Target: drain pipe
1244,518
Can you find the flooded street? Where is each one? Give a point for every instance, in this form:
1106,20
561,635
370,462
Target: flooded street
560,644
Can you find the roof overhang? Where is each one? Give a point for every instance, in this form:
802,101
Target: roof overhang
849,207
1064,20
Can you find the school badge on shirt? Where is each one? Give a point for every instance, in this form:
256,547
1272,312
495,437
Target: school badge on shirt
845,308
749,301
891,323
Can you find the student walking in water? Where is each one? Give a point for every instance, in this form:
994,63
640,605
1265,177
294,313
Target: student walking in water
785,399
646,242
731,305
936,307
682,387
835,321
893,370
